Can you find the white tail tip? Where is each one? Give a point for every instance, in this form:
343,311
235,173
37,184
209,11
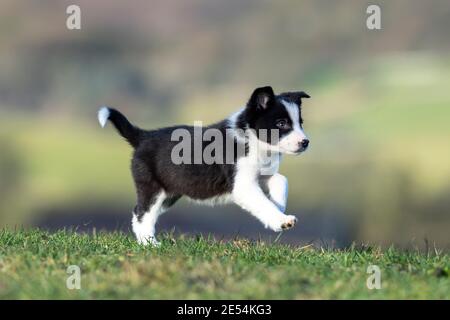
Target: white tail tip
103,115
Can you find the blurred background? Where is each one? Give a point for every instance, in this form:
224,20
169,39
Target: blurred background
379,118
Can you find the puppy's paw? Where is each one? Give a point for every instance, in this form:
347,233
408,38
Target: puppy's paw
289,222
153,242
149,241
283,222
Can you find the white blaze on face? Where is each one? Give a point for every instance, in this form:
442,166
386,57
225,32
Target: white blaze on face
291,142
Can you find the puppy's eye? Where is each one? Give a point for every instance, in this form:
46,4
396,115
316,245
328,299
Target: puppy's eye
282,124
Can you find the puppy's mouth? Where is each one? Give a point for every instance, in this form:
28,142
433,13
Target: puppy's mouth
294,148
299,151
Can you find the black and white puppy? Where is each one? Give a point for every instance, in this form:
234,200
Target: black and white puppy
245,180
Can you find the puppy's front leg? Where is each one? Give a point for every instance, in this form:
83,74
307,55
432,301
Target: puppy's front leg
277,189
251,197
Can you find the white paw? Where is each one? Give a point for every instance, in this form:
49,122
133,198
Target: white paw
289,222
283,223
149,241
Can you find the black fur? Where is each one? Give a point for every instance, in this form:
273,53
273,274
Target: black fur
131,133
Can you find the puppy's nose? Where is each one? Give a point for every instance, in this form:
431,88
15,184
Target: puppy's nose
305,143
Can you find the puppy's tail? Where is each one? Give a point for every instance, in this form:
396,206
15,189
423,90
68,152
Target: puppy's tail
130,132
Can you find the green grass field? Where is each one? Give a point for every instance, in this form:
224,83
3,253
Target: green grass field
33,264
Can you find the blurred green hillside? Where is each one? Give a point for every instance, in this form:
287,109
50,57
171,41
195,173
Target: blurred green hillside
378,118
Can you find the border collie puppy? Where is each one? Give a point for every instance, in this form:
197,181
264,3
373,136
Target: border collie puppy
251,179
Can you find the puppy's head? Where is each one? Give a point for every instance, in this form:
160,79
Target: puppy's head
281,113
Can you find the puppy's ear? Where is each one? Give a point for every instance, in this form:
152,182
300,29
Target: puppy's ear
295,97
303,94
261,98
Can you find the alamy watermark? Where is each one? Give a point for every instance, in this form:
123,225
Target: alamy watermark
374,280
205,145
73,281
73,21
373,21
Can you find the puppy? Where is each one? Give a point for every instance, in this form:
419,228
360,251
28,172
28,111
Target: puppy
163,172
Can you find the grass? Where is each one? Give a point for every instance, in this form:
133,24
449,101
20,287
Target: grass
33,265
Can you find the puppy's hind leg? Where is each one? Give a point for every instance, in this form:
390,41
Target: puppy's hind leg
152,202
145,216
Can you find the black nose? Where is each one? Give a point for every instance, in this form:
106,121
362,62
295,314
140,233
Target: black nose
305,143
